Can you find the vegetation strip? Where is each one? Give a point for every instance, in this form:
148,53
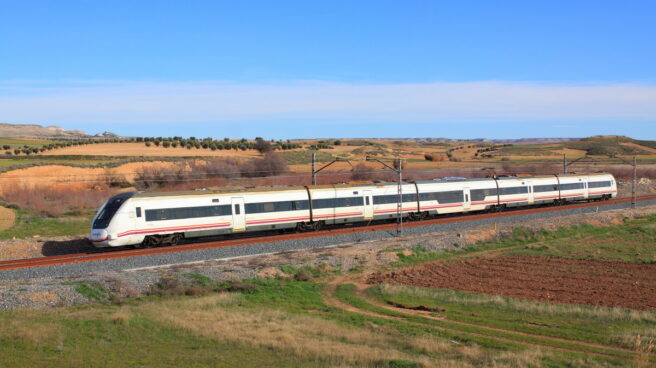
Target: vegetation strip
551,340
346,294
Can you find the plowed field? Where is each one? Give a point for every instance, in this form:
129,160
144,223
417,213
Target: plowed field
545,279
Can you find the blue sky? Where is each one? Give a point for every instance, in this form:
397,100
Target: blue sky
299,69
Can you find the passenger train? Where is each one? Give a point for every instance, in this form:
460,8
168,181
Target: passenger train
149,219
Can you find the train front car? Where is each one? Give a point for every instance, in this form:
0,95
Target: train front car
109,221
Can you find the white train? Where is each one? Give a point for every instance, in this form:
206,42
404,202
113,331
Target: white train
149,219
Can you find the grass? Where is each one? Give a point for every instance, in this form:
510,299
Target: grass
305,157
468,334
609,326
629,242
20,142
28,225
111,336
90,291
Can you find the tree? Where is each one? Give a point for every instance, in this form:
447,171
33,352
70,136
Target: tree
262,146
6,147
147,144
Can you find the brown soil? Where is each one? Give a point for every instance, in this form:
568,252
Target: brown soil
545,279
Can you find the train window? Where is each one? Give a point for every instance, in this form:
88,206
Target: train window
571,186
161,214
323,203
215,200
394,198
480,194
466,197
300,205
276,206
237,209
513,190
366,200
138,211
545,188
454,196
600,184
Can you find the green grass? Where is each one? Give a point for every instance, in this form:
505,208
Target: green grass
629,242
96,338
28,225
524,150
608,326
305,157
144,332
605,146
90,291
20,142
472,334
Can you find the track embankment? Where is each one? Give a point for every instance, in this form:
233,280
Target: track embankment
82,263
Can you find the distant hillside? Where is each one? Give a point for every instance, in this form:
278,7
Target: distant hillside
49,132
500,141
612,146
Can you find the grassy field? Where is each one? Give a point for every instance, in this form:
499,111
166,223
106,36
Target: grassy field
20,142
317,318
28,225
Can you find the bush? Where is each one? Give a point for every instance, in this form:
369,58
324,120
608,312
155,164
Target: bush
56,199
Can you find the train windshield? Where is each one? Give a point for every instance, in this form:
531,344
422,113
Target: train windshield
108,211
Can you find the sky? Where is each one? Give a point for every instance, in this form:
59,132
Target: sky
304,69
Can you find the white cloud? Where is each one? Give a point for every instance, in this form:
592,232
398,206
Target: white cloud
131,102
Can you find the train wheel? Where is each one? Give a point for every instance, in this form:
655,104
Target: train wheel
150,241
176,239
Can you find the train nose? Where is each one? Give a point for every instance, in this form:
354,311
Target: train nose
98,235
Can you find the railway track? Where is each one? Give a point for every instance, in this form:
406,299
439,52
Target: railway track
126,253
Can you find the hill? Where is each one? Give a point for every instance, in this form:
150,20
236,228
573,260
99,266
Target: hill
48,132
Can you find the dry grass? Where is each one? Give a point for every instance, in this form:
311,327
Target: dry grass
56,199
7,218
308,337
38,333
303,336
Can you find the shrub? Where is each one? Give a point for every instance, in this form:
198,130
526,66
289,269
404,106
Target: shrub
56,199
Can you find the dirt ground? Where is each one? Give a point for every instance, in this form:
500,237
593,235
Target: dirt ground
545,279
68,174
7,218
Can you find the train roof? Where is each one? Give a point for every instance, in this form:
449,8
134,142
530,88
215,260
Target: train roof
237,190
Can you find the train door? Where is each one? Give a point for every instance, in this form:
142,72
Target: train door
585,188
238,216
529,185
368,205
466,204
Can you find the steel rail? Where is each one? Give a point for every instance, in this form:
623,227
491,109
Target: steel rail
125,253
